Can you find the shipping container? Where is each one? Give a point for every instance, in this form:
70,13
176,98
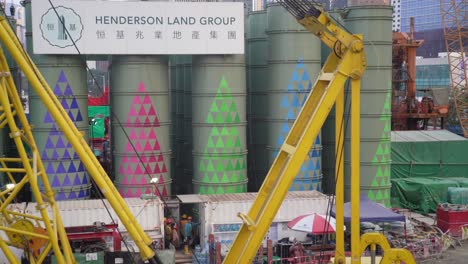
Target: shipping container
148,212
217,214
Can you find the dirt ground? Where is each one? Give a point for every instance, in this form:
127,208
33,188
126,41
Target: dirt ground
455,256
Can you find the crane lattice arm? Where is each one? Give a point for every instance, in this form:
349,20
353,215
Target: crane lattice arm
455,21
347,61
41,235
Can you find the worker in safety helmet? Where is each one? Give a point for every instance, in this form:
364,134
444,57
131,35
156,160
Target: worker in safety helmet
183,221
167,232
188,227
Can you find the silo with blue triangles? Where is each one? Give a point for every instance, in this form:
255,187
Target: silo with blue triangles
294,64
66,75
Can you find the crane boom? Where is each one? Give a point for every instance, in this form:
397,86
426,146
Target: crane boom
44,230
455,24
347,61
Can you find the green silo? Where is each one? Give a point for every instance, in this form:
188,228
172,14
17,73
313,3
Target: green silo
173,130
219,124
179,123
141,124
328,129
66,75
187,123
375,23
294,64
257,50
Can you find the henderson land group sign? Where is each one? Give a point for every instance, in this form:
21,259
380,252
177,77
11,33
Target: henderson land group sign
111,27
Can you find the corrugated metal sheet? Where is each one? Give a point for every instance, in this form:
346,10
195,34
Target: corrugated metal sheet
425,136
218,213
242,197
149,213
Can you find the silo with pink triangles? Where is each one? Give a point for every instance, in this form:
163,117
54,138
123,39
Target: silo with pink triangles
141,125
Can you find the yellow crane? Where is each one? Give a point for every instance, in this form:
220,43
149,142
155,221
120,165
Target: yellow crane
40,235
455,23
346,61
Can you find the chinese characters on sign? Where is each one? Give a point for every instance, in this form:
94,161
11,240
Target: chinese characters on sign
119,27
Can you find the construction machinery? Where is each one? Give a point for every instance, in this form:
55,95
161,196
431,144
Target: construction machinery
455,23
409,113
40,235
347,61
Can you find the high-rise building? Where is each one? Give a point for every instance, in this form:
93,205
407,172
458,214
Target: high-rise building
396,23
426,14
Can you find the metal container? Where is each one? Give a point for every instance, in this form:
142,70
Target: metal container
178,123
257,49
293,65
219,124
187,124
66,75
141,124
375,23
148,213
217,214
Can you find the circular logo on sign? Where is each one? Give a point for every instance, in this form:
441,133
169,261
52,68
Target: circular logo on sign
61,27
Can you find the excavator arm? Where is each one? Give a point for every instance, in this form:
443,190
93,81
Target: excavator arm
41,235
347,61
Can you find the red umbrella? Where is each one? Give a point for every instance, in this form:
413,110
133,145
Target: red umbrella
313,223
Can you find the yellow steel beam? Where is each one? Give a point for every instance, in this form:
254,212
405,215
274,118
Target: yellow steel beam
79,144
305,129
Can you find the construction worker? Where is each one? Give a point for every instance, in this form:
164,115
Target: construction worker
167,232
183,221
187,235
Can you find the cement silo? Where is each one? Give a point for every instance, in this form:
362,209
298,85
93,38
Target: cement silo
375,23
173,107
294,64
257,49
179,123
187,124
66,75
219,124
141,124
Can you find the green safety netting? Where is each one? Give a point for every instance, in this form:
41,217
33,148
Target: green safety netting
96,116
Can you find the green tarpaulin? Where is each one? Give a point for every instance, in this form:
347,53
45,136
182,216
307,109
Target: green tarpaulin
424,165
96,116
438,153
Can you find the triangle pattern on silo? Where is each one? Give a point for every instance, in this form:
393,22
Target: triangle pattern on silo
57,150
147,160
223,160
382,159
291,103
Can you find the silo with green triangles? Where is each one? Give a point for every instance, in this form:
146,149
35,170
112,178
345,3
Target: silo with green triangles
66,76
293,65
219,124
375,23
